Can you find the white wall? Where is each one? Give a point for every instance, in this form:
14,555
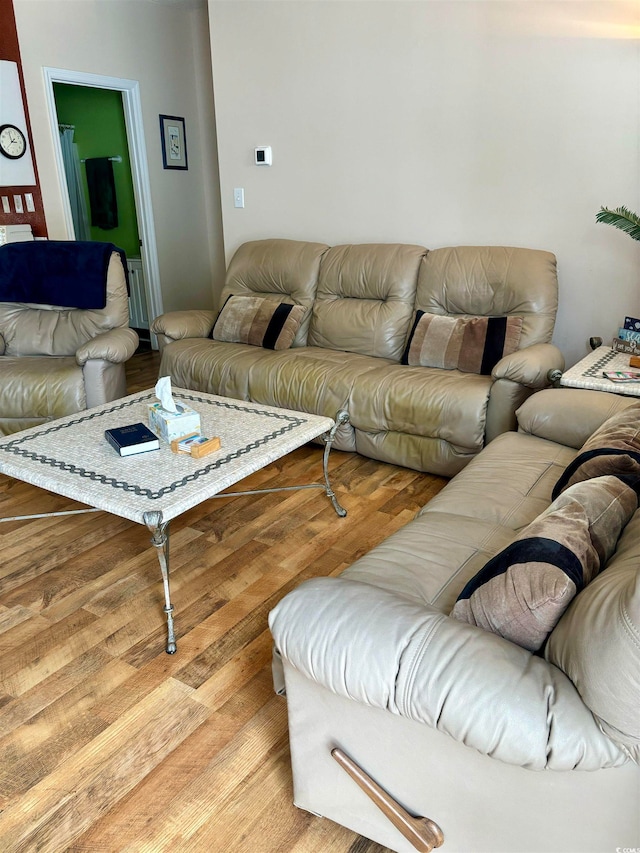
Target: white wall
165,48
440,122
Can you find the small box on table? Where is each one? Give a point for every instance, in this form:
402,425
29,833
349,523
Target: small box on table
195,445
170,425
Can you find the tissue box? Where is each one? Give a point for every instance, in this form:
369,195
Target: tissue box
170,425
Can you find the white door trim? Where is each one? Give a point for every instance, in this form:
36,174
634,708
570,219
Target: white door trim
132,105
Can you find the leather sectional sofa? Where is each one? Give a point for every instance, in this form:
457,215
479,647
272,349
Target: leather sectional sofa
360,309
504,749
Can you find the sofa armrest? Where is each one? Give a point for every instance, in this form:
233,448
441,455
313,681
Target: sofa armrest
374,647
116,346
516,377
530,366
184,324
569,415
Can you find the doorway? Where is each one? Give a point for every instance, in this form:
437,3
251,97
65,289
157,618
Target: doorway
140,233
97,168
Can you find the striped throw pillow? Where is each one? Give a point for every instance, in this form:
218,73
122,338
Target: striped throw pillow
258,321
473,345
614,448
522,592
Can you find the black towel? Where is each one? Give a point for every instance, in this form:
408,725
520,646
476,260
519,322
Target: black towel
56,272
102,193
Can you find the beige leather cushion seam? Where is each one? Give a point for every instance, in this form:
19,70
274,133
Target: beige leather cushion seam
403,702
484,553
458,448
516,507
628,626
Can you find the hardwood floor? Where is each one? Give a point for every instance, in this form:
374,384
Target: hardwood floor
110,744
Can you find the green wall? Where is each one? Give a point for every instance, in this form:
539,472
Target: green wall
100,131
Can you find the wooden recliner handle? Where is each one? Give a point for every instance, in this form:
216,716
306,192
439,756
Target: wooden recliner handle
422,832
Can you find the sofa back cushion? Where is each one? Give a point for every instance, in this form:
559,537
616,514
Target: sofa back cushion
51,330
282,270
364,303
597,643
491,281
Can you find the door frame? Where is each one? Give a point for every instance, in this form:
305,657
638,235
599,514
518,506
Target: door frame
132,107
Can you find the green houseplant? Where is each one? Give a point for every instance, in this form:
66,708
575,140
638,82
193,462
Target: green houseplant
621,218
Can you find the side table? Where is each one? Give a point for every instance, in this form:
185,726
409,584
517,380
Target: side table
587,373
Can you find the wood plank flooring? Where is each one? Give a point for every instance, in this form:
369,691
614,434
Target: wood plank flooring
109,744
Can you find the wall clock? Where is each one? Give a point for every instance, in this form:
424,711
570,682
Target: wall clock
13,143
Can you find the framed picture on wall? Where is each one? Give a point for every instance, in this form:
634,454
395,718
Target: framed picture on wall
174,142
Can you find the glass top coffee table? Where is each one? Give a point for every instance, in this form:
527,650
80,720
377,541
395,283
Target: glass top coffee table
71,457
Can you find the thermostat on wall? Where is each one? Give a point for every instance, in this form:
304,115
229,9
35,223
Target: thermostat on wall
263,155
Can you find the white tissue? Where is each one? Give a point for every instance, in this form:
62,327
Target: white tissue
163,393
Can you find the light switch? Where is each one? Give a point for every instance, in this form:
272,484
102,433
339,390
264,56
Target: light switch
28,200
5,204
238,197
17,204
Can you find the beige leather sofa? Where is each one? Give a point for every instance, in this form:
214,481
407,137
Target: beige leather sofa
360,302
502,749
57,361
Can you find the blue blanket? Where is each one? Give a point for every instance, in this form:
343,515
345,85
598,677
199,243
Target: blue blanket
50,272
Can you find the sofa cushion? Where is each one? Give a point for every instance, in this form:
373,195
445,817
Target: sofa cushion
470,344
309,379
491,281
283,270
365,298
443,404
522,592
40,388
259,322
614,448
597,643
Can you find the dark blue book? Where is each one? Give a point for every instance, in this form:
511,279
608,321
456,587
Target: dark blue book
135,438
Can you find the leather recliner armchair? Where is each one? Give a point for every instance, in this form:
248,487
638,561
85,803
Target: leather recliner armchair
56,361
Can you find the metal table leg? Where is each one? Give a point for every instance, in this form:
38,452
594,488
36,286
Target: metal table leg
160,529
160,539
342,417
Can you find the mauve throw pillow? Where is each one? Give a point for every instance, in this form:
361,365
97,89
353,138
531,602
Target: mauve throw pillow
473,344
522,592
614,448
258,321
